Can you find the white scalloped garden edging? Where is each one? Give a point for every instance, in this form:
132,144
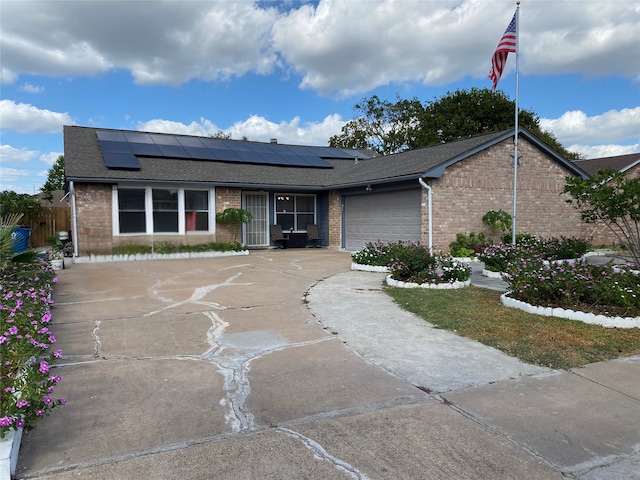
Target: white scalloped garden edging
609,322
438,286
155,256
369,268
491,274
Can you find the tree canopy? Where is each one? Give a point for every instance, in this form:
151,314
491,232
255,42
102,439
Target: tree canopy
388,127
612,198
55,179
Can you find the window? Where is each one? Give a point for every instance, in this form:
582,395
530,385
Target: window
131,211
295,211
196,210
152,210
165,210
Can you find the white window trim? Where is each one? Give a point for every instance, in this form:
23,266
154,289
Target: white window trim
148,197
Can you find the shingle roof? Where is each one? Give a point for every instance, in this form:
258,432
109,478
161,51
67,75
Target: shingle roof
84,162
619,162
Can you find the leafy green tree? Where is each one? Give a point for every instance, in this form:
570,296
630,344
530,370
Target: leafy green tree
388,127
55,179
612,198
20,203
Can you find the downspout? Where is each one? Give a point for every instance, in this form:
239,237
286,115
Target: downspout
74,222
430,201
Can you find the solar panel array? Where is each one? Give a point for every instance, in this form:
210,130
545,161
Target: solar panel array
120,149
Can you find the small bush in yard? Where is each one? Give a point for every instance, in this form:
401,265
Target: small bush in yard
376,254
415,264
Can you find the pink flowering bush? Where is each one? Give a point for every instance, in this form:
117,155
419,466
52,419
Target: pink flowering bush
600,289
27,381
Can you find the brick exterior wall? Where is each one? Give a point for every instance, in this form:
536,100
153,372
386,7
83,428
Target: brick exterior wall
335,219
484,182
93,215
226,198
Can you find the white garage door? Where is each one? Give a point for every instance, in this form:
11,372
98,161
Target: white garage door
388,217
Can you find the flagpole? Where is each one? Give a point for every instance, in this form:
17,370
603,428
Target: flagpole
515,140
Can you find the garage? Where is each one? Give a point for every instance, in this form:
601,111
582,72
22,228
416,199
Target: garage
388,217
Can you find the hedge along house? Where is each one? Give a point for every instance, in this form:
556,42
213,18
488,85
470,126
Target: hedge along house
136,187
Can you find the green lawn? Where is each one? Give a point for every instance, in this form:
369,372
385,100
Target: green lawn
553,342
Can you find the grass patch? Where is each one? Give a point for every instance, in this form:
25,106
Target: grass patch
477,313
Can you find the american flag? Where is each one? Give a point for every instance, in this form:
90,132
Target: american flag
507,44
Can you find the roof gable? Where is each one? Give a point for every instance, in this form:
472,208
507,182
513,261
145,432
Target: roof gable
621,163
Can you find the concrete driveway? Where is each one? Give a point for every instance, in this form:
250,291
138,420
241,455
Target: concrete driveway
230,368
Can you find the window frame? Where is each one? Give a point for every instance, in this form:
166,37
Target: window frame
295,211
149,209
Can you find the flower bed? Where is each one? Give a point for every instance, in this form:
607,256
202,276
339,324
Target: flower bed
411,264
26,346
497,258
596,289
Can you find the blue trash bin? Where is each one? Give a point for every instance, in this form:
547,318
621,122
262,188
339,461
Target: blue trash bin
21,239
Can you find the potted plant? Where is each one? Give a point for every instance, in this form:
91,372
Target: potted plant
56,255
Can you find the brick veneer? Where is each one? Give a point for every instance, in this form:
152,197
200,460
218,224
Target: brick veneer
226,198
483,182
93,214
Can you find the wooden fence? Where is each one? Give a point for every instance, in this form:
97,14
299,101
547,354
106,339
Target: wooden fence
46,223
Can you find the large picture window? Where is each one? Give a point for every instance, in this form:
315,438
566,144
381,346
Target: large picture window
131,210
295,212
151,210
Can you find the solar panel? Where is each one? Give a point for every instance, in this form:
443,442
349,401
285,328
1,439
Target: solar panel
124,161
121,148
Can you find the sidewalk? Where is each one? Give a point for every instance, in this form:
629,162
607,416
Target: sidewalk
582,422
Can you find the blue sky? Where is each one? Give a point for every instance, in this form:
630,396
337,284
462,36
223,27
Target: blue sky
293,70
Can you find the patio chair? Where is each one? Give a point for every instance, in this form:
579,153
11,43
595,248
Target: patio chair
313,235
278,237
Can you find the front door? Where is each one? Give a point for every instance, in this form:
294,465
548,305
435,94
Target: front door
256,233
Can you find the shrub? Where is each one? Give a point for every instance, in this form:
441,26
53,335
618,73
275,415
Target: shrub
26,382
578,286
497,258
468,245
376,254
415,264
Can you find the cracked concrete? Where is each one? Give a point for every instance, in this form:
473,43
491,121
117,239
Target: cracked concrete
229,368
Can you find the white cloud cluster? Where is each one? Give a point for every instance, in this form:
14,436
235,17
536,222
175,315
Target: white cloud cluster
256,128
338,48
26,118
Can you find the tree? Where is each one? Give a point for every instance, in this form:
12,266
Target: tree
613,199
234,216
394,127
55,179
20,203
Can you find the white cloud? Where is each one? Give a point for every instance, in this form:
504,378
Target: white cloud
29,88
50,158
575,127
11,155
339,48
599,151
256,128
25,118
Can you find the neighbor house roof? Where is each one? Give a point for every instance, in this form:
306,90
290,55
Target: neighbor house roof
621,163
84,161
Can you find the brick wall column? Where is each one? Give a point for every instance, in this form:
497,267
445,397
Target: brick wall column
335,219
